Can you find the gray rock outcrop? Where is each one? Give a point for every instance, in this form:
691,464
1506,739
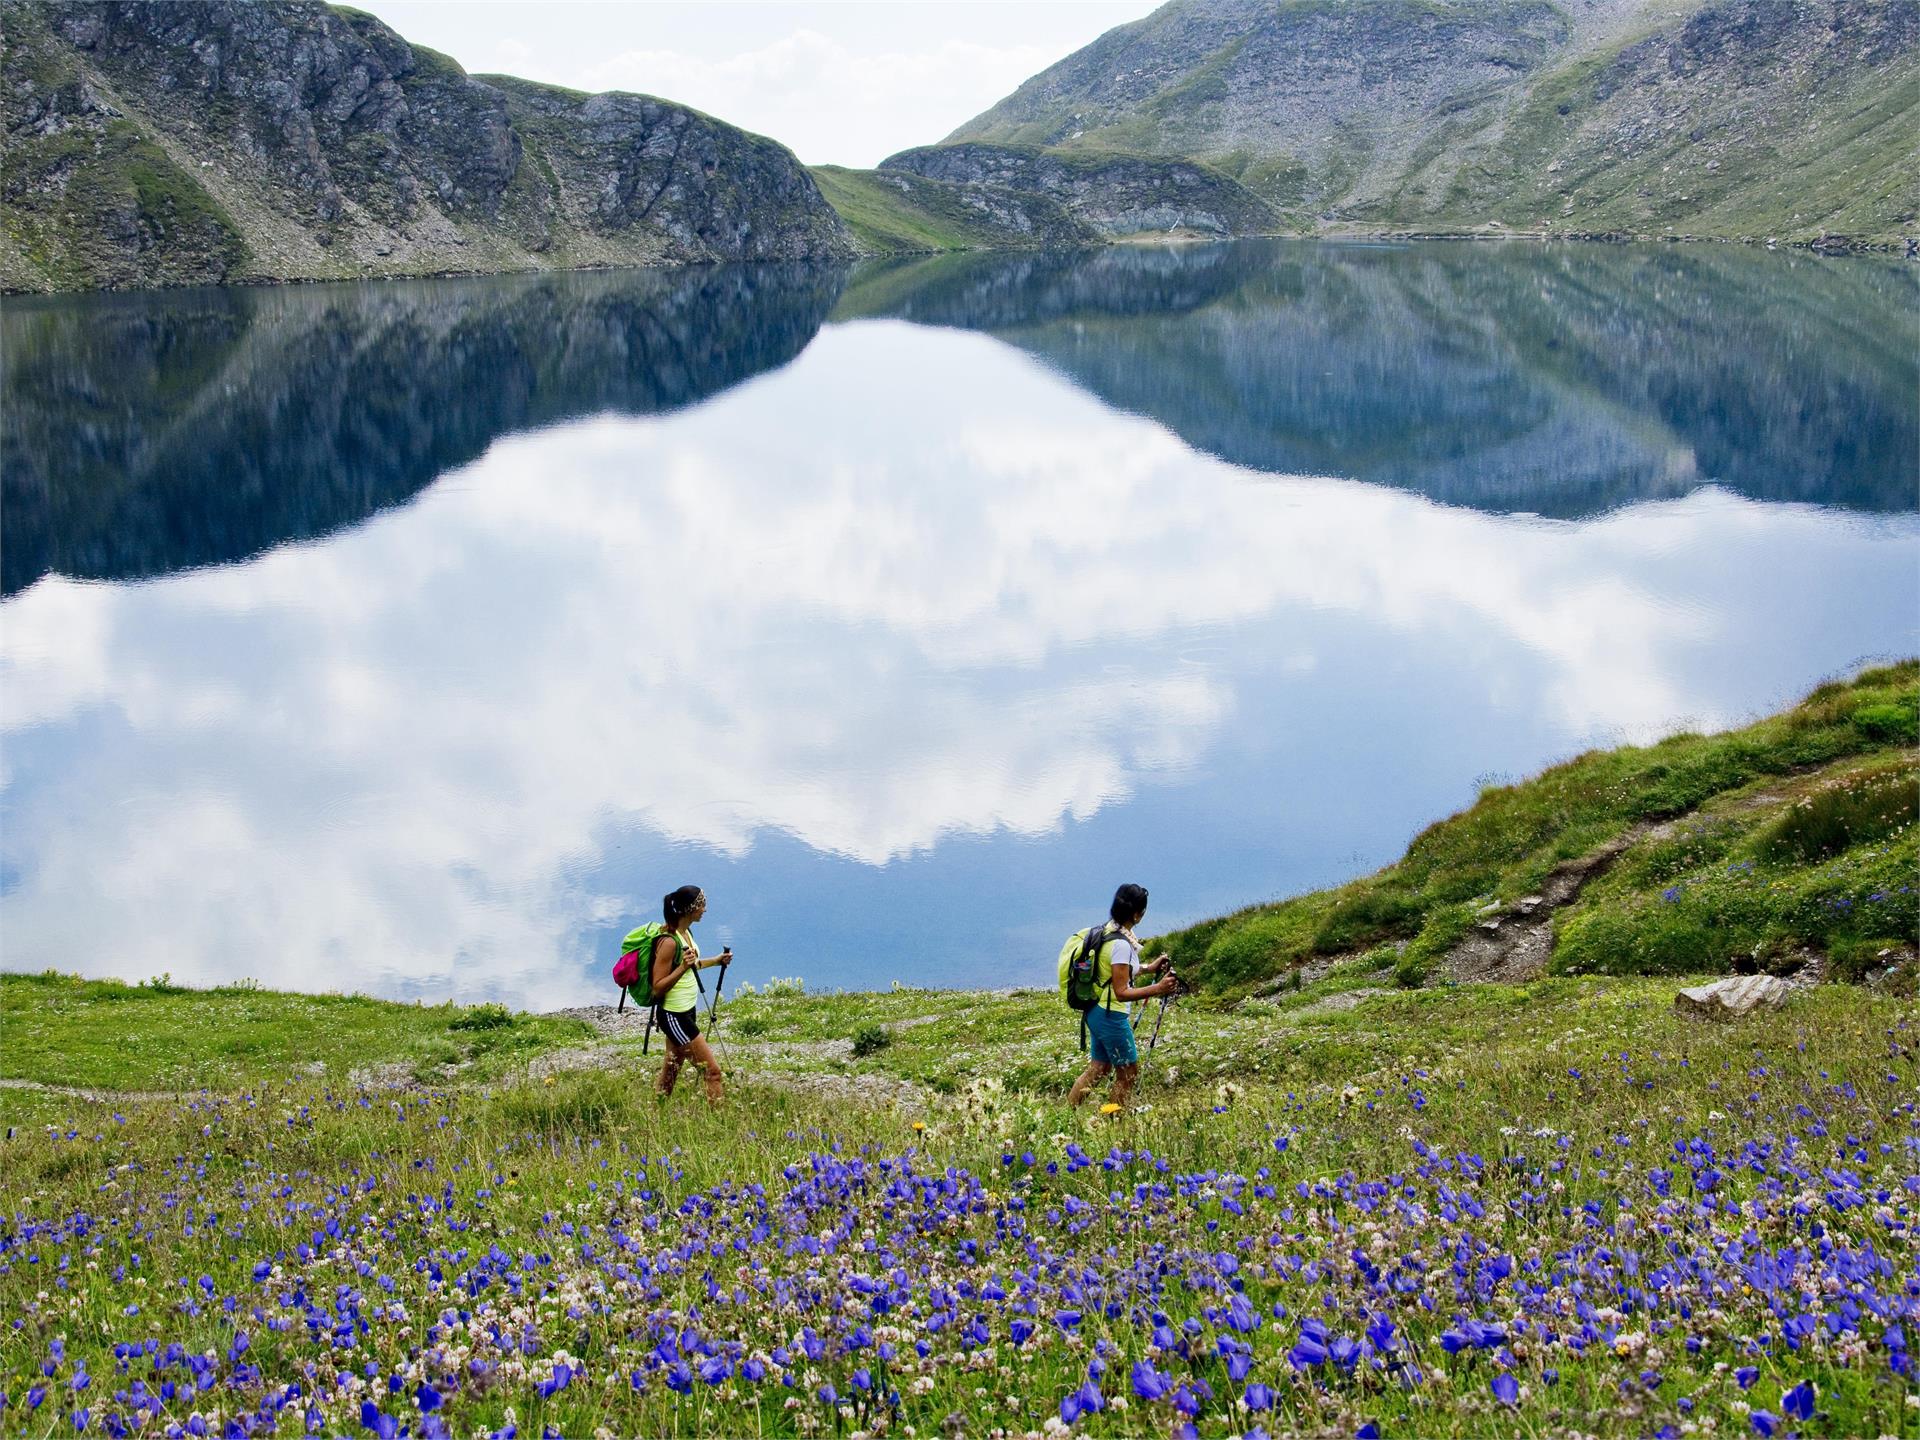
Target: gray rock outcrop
1733,998
213,140
1116,195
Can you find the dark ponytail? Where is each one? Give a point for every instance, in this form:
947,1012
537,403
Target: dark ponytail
677,906
1129,904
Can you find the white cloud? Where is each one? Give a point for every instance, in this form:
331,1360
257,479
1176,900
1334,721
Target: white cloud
511,56
839,83
828,101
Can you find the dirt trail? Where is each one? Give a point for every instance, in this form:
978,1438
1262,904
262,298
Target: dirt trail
744,1061
102,1097
747,1064
1513,944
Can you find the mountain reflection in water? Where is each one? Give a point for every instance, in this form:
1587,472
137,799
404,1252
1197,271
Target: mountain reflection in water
152,433
149,433
1556,380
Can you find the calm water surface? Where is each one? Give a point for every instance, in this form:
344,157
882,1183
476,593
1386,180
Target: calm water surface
414,638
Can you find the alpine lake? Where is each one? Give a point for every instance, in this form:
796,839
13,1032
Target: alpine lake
415,638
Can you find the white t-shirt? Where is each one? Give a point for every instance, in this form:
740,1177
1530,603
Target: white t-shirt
1122,951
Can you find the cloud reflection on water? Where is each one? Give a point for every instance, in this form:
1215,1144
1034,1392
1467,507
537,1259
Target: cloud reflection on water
827,604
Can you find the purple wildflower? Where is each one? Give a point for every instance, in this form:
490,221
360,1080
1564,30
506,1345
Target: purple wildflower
1149,1383
1798,1402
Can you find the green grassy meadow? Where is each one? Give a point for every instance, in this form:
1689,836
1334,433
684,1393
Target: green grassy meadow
1524,1158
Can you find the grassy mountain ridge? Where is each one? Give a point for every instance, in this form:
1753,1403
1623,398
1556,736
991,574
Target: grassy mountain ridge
1752,118
1792,836
897,211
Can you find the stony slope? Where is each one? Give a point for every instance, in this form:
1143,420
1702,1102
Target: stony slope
218,141
1794,118
1766,118
1114,195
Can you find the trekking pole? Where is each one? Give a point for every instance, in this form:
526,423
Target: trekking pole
1178,990
1158,1017
713,1008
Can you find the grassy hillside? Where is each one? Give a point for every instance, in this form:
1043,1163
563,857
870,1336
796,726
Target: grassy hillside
893,212
154,1036
1794,834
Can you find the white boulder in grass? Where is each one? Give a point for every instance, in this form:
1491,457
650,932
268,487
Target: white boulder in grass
1731,999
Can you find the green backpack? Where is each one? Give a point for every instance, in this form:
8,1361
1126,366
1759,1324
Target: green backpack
1080,981
635,964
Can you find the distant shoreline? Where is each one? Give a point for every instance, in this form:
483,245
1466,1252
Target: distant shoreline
1832,248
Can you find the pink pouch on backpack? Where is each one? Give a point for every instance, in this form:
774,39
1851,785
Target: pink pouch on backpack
626,970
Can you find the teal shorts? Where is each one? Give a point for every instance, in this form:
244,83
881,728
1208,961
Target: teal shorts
1111,1036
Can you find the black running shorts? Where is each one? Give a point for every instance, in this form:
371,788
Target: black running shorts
682,1027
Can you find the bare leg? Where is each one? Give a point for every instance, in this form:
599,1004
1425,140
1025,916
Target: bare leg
1123,1079
670,1071
1089,1077
702,1055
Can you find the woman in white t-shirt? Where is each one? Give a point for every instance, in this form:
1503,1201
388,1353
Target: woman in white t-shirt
1109,1027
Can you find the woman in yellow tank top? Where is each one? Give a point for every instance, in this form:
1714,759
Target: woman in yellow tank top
676,993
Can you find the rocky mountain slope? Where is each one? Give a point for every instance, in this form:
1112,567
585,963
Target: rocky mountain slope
1788,118
209,141
1113,195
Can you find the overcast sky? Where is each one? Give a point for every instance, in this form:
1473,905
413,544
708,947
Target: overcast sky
840,83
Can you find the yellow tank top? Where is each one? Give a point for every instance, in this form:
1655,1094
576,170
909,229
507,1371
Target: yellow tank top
685,994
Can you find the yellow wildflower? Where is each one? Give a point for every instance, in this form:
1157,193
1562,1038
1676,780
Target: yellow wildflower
1109,1109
